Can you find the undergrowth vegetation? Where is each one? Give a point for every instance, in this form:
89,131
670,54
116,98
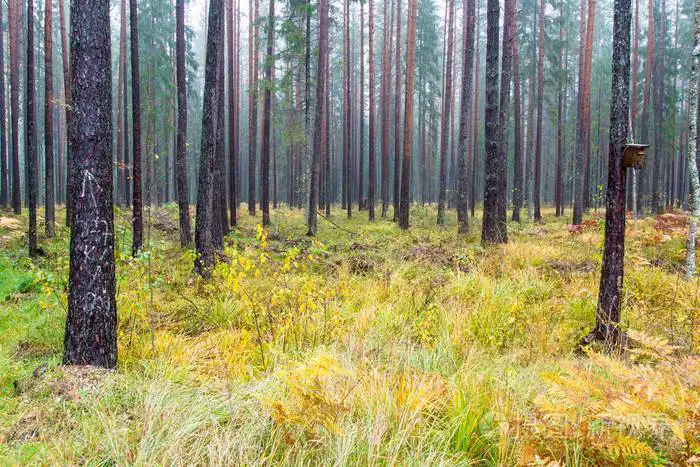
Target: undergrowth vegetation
365,345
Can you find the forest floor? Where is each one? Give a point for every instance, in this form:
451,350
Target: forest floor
366,345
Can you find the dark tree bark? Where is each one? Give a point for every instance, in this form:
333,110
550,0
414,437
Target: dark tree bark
49,190
232,117
4,179
517,125
536,194
252,102
204,241
30,133
465,105
494,230
13,19
361,168
181,142
267,109
475,133
137,206
446,112
506,73
397,115
371,186
91,325
220,214
408,114
612,272
319,151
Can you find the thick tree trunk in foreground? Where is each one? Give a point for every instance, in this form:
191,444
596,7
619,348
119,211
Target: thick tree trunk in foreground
319,151
137,206
408,114
204,241
30,133
49,190
13,20
267,110
691,157
612,272
446,112
181,141
465,106
494,229
91,325
371,185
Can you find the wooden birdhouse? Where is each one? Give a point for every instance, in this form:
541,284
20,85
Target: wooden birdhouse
634,155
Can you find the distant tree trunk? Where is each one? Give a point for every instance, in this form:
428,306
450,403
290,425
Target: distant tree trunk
125,102
658,89
4,179
475,138
465,106
397,115
183,198
220,222
347,131
579,188
267,110
586,105
371,188
232,116
532,103
644,131
446,109
49,193
517,124
91,325
121,164
204,241
633,192
361,168
536,194
319,151
13,20
30,133
506,72
612,271
137,208
559,181
408,114
386,100
691,157
252,102
494,229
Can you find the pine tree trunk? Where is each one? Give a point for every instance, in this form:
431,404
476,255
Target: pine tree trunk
558,184
91,325
506,72
658,92
137,206
371,185
204,241
361,168
691,157
347,103
49,190
408,114
267,110
612,271
232,116
319,151
386,102
494,229
646,101
13,19
30,133
586,104
517,125
465,106
397,115
252,102
120,191
446,110
4,179
181,142
537,190
475,138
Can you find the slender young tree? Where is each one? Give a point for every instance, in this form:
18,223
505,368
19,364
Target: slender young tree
49,190
30,133
267,110
691,156
397,115
446,112
494,229
408,114
372,163
232,116
537,191
67,104
319,152
13,21
91,325
137,206
204,236
612,271
181,141
4,179
252,102
465,105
